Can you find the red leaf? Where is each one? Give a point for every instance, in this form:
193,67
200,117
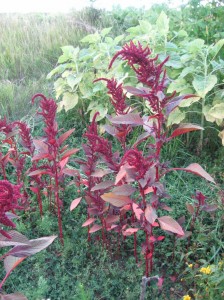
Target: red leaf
175,102
14,296
41,146
68,153
16,239
100,173
160,282
196,169
124,189
141,92
148,190
70,172
150,214
33,247
130,231
34,189
75,203
116,200
128,119
184,128
63,162
111,130
95,228
173,278
64,136
168,223
137,210
11,262
88,222
165,207
40,156
160,238
112,219
102,185
190,208
120,174
152,239
39,172
210,208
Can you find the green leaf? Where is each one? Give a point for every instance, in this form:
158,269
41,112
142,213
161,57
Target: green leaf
178,85
195,46
145,26
68,101
105,31
186,71
182,33
217,47
91,38
174,62
189,101
58,70
203,85
175,117
217,111
208,117
73,80
162,24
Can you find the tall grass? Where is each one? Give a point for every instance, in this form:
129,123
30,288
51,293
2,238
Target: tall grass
29,49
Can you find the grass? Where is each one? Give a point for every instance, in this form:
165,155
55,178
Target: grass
29,50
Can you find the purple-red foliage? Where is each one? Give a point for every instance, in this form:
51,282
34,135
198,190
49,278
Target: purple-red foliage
124,189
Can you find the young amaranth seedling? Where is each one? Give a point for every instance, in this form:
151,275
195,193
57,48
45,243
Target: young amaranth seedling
124,189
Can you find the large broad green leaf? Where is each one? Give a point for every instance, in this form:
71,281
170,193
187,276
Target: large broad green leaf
91,38
195,46
178,85
162,24
175,117
189,101
217,47
145,26
203,85
105,31
208,117
68,101
186,71
73,80
217,111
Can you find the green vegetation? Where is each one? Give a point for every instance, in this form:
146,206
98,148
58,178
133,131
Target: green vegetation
60,56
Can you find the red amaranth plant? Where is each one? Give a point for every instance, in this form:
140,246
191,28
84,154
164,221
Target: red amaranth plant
49,165
124,190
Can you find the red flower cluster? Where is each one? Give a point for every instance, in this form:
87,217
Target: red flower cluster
48,111
26,139
118,98
9,197
147,71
